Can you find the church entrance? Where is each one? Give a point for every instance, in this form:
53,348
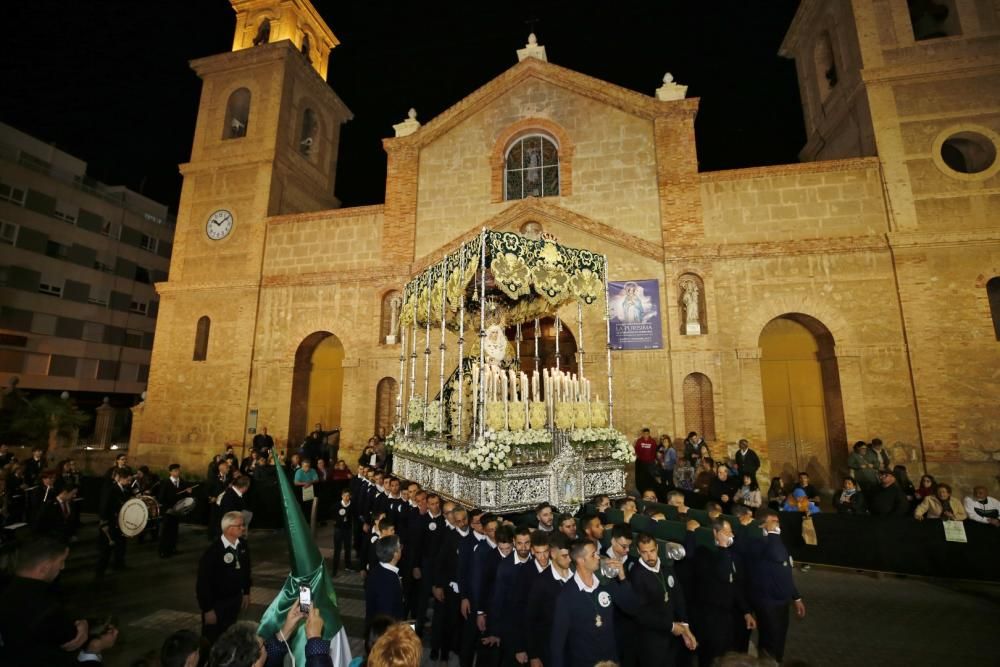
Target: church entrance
803,408
546,345
317,386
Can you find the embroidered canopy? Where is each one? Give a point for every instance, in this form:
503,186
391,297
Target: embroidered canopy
537,275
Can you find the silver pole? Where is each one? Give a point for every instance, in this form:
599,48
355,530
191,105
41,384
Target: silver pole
558,329
607,323
402,378
413,369
538,359
461,339
427,348
481,425
579,342
517,339
443,347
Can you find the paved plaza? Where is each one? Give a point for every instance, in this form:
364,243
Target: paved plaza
852,618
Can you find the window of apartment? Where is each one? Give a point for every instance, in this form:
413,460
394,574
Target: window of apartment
142,275
66,212
56,250
99,295
139,307
107,369
109,228
86,369
127,372
142,374
93,331
9,193
932,19
62,366
36,364
149,243
43,323
8,232
133,338
50,286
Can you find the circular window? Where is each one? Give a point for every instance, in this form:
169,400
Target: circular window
968,152
531,229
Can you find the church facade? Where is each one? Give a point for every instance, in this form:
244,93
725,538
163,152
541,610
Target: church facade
850,296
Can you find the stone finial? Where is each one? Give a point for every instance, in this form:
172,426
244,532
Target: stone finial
532,50
408,126
670,90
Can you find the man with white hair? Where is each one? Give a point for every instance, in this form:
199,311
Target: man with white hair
223,586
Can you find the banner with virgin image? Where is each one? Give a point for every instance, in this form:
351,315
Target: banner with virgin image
635,315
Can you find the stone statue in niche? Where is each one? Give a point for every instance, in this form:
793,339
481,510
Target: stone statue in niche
692,307
395,305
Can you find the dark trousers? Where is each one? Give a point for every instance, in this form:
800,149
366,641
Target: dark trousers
168,535
446,626
469,640
227,612
106,552
772,626
418,603
341,543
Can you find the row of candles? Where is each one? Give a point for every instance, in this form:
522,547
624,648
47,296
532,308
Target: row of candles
551,385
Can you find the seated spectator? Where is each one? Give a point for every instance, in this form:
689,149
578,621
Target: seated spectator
864,466
888,499
800,502
811,493
940,506
982,507
926,487
649,496
684,475
776,493
906,485
749,493
850,499
722,488
706,473
713,509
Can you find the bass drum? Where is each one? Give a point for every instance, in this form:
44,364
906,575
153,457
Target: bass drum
136,513
182,507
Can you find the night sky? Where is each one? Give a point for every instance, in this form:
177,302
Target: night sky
108,80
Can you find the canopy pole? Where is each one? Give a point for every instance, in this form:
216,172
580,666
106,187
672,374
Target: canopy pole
402,377
558,329
442,418
579,340
481,423
538,359
461,340
607,323
427,348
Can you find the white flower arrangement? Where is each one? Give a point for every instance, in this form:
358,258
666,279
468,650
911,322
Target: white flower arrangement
587,438
489,454
537,437
415,411
435,418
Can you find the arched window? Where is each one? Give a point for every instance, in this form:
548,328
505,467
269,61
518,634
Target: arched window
385,405
305,46
307,137
201,338
699,406
993,292
531,168
826,66
237,114
392,302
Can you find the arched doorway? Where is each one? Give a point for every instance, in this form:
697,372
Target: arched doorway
699,406
546,345
317,385
803,409
385,405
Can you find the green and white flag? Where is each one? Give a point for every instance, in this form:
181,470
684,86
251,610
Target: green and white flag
307,569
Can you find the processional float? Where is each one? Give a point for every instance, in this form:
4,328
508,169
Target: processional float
502,432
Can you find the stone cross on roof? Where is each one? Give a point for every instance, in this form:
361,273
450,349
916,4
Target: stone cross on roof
532,50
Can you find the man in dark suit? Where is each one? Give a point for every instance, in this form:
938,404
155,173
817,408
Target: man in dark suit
171,490
473,605
59,518
489,620
446,634
510,592
541,605
263,443
217,486
33,467
110,541
223,585
747,461
41,495
344,515
383,588
661,617
772,587
235,498
433,530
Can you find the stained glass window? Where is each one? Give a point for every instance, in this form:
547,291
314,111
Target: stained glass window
532,168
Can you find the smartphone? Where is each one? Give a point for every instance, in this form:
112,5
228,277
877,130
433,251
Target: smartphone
305,599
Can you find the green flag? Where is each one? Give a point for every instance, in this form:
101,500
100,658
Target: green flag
307,569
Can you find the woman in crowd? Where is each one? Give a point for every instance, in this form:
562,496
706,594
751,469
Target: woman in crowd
306,478
799,502
776,494
941,506
926,487
666,461
340,476
749,493
684,475
705,475
864,466
850,499
366,456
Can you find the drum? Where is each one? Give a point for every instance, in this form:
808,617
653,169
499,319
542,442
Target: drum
182,507
136,513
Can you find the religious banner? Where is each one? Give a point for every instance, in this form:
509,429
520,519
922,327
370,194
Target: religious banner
635,315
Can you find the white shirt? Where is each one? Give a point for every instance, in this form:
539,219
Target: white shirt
392,568
518,561
546,530
583,587
480,536
651,569
229,545
463,533
555,575
539,567
490,542
971,504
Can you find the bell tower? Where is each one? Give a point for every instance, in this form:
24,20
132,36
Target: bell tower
265,144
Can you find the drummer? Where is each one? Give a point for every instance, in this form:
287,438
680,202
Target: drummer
110,540
171,492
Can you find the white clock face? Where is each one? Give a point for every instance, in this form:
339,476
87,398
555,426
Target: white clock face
219,225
